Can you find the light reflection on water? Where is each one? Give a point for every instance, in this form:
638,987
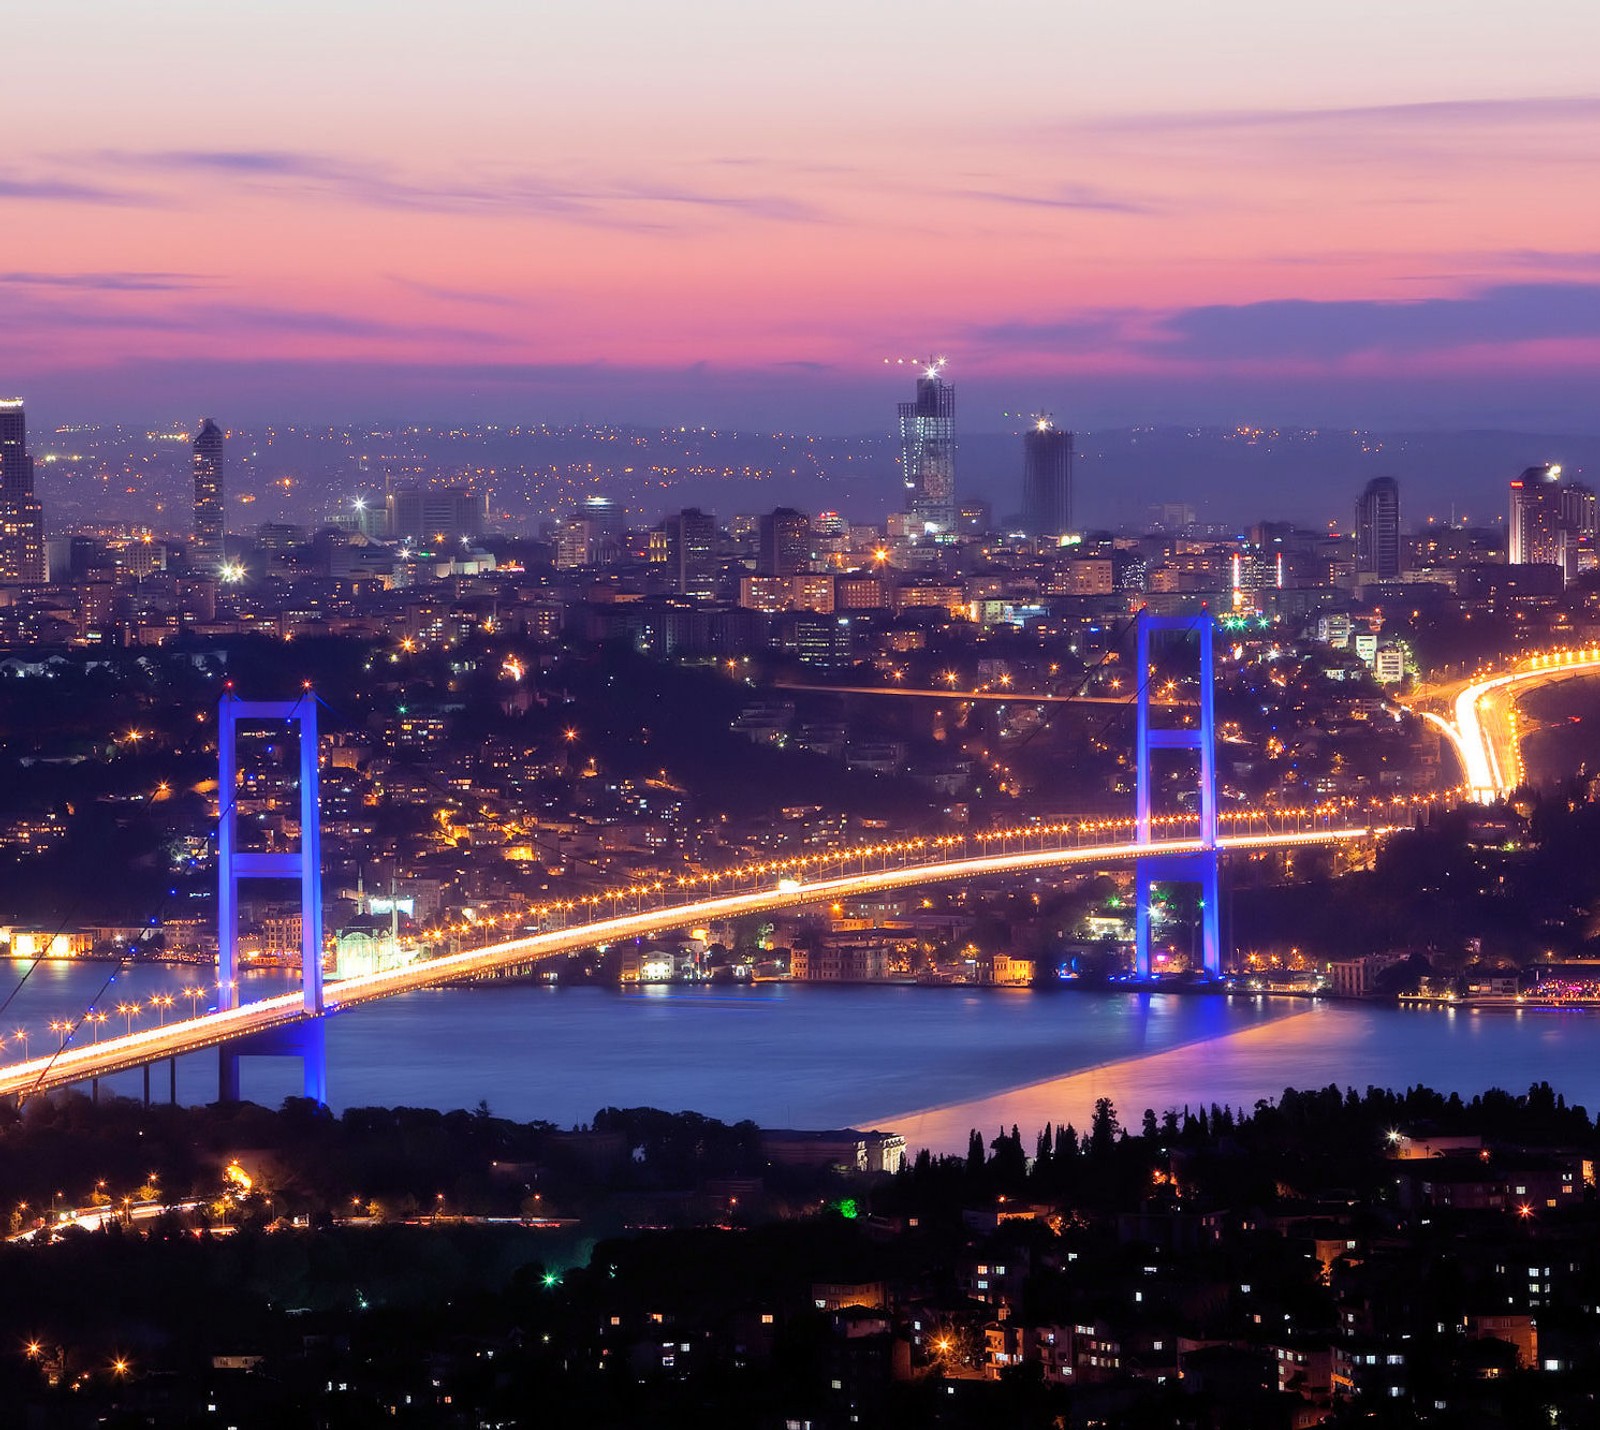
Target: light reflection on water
930,1063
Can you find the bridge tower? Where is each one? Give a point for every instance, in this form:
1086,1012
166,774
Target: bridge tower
304,866
1191,867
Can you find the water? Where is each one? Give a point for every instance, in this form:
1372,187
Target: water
928,1062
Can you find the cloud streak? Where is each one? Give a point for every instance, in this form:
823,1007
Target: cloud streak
382,186
1530,109
127,282
65,191
1066,196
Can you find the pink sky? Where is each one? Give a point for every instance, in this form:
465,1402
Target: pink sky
648,209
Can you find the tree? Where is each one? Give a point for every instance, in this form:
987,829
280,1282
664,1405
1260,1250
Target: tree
1104,1128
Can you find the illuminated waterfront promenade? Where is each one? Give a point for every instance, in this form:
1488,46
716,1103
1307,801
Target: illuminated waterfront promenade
923,863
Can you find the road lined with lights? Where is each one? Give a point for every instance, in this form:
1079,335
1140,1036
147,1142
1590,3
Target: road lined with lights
1484,734
148,1045
1011,697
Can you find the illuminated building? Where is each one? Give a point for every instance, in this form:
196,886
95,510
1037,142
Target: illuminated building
433,518
1046,480
928,451
21,517
1580,517
1536,534
1378,531
692,552
591,536
206,551
785,543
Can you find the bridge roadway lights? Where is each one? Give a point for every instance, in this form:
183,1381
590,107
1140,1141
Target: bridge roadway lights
304,866
1200,867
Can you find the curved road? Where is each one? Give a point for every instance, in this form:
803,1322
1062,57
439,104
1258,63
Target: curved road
1484,733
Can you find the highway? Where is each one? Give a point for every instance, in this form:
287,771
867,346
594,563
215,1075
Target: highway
1010,697
1485,733
175,1039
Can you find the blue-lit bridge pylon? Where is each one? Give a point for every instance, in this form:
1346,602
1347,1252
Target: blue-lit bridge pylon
1199,866
305,1040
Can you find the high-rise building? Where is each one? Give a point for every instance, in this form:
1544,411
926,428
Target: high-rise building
22,551
1046,480
928,451
692,552
1580,514
784,543
591,536
1378,531
16,466
435,518
1536,534
206,549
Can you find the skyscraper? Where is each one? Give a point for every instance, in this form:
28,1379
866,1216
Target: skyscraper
1536,534
1580,515
1046,479
928,451
206,550
784,547
692,552
1378,531
21,517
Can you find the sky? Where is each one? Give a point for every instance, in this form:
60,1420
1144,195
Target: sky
733,212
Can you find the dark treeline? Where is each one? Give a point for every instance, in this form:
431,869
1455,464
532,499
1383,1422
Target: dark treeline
1305,1141
68,1148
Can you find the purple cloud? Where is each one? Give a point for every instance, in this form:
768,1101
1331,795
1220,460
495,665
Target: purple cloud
1327,331
71,191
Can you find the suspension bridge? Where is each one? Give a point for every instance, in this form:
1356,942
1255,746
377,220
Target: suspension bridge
1163,848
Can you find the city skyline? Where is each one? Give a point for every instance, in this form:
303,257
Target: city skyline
1326,222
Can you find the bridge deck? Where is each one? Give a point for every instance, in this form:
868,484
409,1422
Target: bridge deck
148,1045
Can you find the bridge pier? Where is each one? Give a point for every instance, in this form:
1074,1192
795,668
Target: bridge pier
306,1041
1200,867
